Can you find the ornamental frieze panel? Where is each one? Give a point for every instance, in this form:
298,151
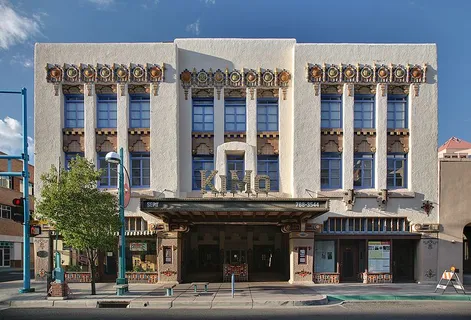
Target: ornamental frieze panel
105,73
234,137
364,73
106,141
202,145
398,144
244,78
139,140
331,143
365,143
73,141
268,144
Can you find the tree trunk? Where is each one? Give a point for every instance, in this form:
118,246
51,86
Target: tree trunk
91,262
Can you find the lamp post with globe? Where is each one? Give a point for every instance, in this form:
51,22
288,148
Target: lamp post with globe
121,281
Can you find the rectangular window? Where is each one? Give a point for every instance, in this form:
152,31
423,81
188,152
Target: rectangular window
140,169
331,170
167,255
69,156
135,224
109,177
364,108
397,164
331,111
107,114
234,114
5,212
201,163
234,163
139,111
30,188
363,170
397,111
203,114
6,182
74,113
268,165
267,114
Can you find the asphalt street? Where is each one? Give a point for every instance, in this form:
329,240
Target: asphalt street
409,310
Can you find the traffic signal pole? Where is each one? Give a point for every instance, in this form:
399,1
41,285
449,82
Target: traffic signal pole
25,174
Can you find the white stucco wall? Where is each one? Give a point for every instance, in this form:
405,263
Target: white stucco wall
299,117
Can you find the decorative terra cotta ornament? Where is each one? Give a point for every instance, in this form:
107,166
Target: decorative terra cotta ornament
383,72
185,76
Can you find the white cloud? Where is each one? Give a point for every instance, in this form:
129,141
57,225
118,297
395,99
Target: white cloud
26,62
194,27
11,138
210,1
15,28
102,3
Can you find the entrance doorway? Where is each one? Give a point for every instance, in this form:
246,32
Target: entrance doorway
348,260
403,260
208,250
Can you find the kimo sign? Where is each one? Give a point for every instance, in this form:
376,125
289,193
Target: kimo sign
237,185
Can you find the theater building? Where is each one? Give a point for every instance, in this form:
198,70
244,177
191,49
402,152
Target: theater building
267,158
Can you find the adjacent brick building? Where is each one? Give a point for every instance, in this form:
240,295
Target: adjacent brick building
11,232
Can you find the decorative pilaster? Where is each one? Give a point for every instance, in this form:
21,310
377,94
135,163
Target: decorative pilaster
218,119
123,121
90,121
301,248
170,257
348,138
251,121
381,163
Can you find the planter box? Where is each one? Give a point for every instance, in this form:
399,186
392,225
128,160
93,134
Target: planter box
80,277
326,277
142,277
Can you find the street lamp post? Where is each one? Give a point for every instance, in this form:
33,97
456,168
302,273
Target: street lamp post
121,281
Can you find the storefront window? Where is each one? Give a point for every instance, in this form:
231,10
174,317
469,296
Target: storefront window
379,256
324,256
144,255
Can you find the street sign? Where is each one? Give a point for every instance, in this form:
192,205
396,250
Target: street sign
34,230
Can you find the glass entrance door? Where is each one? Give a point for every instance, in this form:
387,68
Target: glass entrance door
263,258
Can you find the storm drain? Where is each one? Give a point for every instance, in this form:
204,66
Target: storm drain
113,304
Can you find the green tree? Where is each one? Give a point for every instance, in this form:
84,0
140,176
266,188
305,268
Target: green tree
86,217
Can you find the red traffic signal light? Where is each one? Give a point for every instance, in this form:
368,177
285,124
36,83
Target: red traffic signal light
18,201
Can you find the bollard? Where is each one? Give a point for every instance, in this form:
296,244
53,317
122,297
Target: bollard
232,284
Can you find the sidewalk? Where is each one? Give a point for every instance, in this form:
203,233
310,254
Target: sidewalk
247,295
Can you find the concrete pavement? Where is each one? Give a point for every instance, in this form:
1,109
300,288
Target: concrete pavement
248,295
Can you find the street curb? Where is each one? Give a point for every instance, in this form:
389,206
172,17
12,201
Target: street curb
31,304
398,298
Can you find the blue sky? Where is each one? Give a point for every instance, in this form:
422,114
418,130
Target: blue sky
446,23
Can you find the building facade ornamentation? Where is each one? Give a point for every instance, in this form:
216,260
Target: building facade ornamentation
250,78
105,74
367,74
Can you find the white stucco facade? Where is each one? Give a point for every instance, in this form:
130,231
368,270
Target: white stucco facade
299,137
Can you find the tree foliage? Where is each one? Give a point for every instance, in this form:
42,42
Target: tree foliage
86,217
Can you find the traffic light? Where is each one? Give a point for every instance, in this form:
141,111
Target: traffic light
19,202
18,210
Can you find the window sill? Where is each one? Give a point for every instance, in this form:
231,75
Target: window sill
268,134
73,131
139,131
365,193
103,131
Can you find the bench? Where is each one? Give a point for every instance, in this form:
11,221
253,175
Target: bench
196,284
169,289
